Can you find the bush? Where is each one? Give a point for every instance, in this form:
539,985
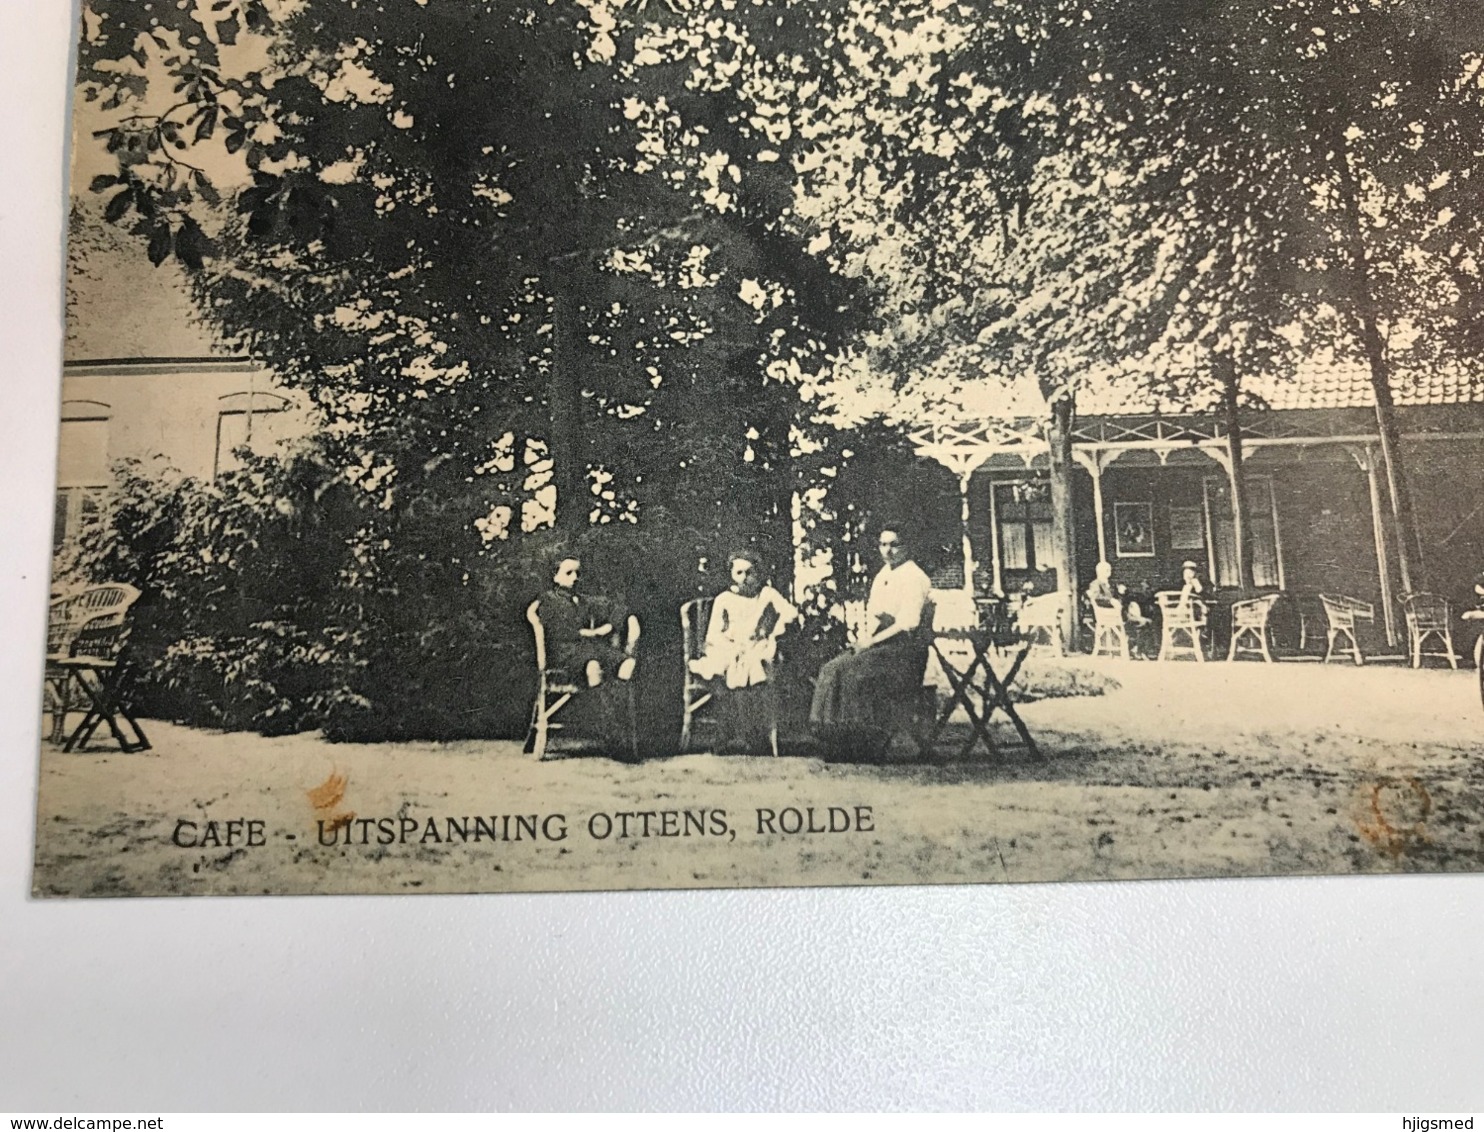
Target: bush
282,598
285,597
1042,679
278,598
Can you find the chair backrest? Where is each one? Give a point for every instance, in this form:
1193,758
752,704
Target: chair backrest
60,624
1177,609
538,631
95,609
1107,616
109,597
854,613
1426,612
950,611
1042,612
1253,612
927,625
1343,611
694,617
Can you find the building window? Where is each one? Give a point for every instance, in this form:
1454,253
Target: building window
77,509
1023,511
1262,517
82,470
257,422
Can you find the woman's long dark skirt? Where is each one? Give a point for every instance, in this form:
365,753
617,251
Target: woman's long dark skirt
870,689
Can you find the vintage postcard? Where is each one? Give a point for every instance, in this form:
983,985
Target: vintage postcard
607,444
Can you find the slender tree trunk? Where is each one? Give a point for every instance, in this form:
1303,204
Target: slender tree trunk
783,509
1063,510
1226,370
1408,544
773,485
564,399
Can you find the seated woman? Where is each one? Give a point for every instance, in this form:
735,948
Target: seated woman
579,628
867,689
741,642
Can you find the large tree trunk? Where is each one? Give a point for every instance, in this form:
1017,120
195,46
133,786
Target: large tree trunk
564,398
1063,510
1408,543
1226,370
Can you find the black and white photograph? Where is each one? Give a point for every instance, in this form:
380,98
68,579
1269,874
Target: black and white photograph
632,444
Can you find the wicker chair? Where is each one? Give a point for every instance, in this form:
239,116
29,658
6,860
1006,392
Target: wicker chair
1041,616
1342,613
699,692
86,637
1109,632
1429,616
1250,627
1181,616
556,687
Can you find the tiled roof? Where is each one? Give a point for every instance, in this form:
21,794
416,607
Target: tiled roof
1315,384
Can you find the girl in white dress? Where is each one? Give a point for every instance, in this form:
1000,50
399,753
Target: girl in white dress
741,643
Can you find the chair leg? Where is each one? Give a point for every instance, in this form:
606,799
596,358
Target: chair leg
633,724
773,710
531,729
1448,644
540,728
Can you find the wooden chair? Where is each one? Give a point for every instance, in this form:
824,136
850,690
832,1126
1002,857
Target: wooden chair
1181,616
86,638
1042,616
1428,615
556,687
1250,627
1342,613
1109,633
699,691
913,710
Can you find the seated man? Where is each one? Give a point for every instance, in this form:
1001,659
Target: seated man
866,689
1101,592
1105,604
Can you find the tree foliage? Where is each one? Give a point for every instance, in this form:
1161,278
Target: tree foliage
683,260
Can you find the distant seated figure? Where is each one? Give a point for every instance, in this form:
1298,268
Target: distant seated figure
1143,634
1100,591
864,688
1190,582
1476,615
580,628
746,621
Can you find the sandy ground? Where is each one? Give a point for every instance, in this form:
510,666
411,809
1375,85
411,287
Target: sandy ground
1186,770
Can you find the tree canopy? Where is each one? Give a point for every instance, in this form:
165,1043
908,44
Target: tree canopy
599,257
